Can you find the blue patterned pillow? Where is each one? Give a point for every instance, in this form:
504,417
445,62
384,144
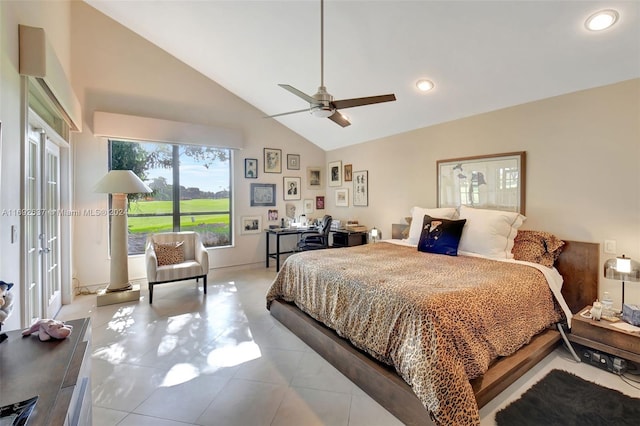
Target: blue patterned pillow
440,236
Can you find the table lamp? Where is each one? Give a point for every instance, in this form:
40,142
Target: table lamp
375,234
119,183
623,269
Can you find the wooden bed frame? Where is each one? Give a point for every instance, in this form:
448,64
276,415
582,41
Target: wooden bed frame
578,264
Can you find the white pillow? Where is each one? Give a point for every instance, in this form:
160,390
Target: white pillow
417,216
489,232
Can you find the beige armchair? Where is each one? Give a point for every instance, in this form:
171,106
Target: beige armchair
175,256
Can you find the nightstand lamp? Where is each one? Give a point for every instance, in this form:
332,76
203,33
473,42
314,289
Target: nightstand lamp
374,234
623,269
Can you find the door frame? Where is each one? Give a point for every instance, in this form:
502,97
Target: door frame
65,213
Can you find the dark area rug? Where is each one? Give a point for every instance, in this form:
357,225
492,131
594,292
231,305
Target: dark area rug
562,398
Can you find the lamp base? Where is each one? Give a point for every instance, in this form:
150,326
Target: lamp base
111,298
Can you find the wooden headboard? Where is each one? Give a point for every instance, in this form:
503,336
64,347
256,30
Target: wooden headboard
579,265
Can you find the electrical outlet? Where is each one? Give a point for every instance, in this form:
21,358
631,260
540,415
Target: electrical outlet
610,246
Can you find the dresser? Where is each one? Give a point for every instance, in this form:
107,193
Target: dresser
57,371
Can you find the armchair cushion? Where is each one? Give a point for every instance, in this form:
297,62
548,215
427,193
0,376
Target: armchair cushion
169,253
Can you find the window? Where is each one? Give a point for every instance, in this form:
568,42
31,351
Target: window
508,178
191,190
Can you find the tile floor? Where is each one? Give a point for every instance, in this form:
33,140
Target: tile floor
223,360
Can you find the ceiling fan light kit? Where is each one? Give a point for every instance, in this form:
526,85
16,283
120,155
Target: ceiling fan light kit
322,104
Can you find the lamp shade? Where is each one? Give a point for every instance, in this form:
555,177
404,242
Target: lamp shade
622,268
121,182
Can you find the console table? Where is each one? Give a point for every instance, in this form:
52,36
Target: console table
57,371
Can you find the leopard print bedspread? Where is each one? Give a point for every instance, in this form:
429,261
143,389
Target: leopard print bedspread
439,320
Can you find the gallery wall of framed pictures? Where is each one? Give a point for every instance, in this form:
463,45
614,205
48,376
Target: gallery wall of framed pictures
299,181
350,187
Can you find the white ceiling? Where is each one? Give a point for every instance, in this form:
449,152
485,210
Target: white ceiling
481,55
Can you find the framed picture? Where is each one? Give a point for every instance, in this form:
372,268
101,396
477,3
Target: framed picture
263,194
273,215
308,206
335,173
293,161
251,168
342,197
272,160
290,210
291,187
494,182
320,202
361,188
251,224
348,168
315,180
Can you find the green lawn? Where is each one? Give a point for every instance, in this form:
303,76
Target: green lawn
187,222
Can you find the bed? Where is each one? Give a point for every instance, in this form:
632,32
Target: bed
352,307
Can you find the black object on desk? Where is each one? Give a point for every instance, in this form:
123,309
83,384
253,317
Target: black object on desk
17,413
345,238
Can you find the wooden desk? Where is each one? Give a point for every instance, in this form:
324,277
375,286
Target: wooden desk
602,336
58,371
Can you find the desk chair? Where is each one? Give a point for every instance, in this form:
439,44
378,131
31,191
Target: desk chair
315,240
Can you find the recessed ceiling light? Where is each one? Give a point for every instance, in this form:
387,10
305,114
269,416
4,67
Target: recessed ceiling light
424,85
601,20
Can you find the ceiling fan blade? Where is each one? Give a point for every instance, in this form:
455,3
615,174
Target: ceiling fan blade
338,118
287,113
355,102
299,94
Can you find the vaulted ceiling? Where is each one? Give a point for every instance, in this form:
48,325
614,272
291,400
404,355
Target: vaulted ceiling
481,55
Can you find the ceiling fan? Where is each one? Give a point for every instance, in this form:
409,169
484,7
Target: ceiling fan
322,104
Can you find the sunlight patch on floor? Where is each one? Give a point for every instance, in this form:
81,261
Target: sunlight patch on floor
122,319
232,355
180,373
177,323
113,354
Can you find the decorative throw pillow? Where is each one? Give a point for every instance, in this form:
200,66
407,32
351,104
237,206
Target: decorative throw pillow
440,236
417,215
405,233
537,246
489,232
169,253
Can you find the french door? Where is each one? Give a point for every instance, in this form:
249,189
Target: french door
42,225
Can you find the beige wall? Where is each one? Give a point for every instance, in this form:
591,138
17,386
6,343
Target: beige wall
583,177
117,71
55,17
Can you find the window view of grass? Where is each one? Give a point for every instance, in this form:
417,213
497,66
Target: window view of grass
147,217
202,208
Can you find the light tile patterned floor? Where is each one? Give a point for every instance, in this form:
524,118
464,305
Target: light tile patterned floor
223,360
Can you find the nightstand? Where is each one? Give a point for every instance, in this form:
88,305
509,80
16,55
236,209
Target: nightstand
602,336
